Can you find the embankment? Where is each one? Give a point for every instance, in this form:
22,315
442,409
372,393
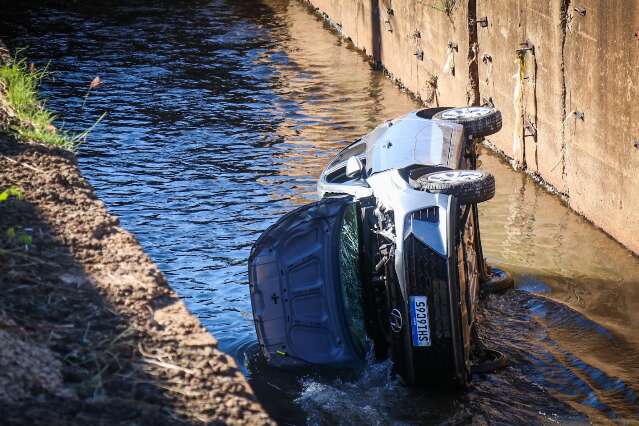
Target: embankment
90,331
563,73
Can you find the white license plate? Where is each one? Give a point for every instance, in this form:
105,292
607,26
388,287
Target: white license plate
419,320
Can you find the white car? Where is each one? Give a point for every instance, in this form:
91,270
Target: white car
390,254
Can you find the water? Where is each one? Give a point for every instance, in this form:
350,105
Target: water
221,115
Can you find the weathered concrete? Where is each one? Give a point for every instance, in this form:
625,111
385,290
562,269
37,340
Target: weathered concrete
562,72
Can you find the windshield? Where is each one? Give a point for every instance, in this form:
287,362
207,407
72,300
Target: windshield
413,141
351,284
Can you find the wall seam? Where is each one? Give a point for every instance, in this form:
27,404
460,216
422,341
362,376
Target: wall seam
564,17
472,94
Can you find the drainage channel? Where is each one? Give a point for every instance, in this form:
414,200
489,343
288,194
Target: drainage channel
220,116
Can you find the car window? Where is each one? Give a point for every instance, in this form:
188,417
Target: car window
336,170
358,147
350,280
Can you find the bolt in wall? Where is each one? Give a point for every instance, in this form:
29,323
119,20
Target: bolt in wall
572,120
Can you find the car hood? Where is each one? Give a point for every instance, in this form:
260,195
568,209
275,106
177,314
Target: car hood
295,287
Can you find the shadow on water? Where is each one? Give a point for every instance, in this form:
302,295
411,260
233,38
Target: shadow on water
221,115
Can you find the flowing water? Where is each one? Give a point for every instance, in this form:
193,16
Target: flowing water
220,116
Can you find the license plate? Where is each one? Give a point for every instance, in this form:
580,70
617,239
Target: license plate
419,320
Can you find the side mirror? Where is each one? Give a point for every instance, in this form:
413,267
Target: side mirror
354,167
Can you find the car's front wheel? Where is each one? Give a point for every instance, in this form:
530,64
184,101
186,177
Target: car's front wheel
469,186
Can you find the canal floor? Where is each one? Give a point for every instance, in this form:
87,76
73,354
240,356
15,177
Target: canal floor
220,116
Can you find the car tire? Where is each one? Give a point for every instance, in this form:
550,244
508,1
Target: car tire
469,186
498,282
478,122
493,360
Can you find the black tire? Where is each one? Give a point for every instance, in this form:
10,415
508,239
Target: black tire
428,113
478,122
469,186
492,361
498,282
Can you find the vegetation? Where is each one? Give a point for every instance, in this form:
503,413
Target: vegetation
11,192
12,237
19,83
445,6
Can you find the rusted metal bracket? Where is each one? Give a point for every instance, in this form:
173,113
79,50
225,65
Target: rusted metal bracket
488,102
483,22
389,26
530,128
525,47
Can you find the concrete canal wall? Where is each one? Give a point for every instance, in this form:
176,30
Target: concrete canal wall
563,73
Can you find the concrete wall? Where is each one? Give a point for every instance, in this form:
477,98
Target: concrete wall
564,73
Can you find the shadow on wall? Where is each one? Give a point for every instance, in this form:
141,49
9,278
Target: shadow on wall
376,33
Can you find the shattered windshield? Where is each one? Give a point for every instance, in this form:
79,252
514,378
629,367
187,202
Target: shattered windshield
412,140
350,280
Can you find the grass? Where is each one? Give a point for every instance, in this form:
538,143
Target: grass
21,82
445,6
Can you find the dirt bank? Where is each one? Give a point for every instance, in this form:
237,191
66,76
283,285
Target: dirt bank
90,332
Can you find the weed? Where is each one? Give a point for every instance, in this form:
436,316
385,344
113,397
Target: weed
21,82
12,236
11,192
445,6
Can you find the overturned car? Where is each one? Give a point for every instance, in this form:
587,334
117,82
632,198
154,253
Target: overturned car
390,254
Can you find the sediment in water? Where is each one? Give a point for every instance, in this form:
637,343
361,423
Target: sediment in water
90,331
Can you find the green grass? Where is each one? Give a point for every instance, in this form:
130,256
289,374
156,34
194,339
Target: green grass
35,123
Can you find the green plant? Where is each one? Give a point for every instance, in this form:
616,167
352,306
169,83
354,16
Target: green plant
445,6
11,192
12,236
21,82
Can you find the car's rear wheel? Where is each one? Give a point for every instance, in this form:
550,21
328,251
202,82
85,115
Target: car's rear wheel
478,122
469,186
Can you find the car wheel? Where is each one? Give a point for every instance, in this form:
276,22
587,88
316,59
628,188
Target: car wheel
498,282
469,186
478,122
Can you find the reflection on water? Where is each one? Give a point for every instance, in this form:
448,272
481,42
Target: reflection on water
221,115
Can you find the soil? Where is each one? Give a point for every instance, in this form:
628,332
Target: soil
90,331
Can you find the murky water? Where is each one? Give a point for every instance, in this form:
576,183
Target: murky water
221,115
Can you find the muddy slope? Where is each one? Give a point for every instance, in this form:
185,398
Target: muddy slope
90,332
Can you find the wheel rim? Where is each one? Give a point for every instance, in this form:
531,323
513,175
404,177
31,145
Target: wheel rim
465,113
455,176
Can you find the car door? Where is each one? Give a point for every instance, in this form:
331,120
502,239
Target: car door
304,277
